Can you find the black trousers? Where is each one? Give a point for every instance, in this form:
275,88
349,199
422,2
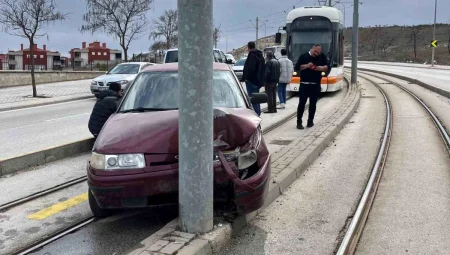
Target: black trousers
271,91
311,91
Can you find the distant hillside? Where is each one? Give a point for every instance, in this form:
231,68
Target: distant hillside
389,43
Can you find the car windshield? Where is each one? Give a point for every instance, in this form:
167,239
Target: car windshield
172,56
159,91
125,69
241,62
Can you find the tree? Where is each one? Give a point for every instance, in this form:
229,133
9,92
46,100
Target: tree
123,19
370,36
385,41
217,34
415,33
166,26
26,18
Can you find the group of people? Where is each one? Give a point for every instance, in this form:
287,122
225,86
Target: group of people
270,72
258,73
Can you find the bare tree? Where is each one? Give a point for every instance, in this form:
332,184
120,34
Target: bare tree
385,40
166,26
123,19
217,34
159,45
415,33
26,18
370,38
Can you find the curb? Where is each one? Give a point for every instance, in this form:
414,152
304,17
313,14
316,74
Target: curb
221,236
437,90
22,162
50,102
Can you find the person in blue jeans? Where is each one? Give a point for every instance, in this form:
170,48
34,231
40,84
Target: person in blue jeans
253,75
287,70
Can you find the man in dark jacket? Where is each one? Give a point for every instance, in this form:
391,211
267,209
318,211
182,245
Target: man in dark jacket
312,66
271,79
253,74
105,106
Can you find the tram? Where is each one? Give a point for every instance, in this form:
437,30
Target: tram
323,25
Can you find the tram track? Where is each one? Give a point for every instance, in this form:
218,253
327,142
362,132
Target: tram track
86,221
358,221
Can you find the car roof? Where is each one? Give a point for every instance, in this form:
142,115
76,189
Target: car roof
176,49
137,63
174,67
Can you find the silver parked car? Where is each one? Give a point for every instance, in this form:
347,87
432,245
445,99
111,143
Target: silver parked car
122,73
238,68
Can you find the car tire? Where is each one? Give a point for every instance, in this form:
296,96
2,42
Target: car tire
96,210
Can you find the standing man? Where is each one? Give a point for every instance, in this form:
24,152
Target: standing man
253,74
287,69
312,66
272,77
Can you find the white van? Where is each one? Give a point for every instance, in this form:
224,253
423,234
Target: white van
276,50
171,56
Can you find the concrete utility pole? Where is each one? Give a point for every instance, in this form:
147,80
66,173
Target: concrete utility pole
434,33
329,3
195,115
355,42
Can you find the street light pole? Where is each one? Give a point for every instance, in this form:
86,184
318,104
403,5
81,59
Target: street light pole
434,33
355,42
195,116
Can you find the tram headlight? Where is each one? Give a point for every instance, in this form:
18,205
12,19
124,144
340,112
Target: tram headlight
295,73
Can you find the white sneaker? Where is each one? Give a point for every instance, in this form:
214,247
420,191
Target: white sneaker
281,106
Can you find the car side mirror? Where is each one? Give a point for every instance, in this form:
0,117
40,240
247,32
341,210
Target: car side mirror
229,61
259,98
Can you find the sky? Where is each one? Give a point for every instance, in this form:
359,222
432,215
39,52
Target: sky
234,17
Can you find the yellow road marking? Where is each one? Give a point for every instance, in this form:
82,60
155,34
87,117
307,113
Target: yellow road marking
56,208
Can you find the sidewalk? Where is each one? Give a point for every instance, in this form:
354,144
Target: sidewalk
21,97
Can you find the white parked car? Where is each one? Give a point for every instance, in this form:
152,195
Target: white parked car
231,57
171,56
238,68
122,73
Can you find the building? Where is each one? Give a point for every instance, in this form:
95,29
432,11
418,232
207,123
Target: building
94,54
43,59
3,61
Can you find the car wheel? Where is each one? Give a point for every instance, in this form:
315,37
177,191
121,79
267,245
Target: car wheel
96,210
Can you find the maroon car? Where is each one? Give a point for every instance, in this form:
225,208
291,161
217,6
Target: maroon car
134,161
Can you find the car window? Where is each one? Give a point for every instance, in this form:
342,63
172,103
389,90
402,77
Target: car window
217,56
240,62
171,56
125,69
159,90
224,58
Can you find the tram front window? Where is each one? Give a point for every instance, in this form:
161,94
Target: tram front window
302,42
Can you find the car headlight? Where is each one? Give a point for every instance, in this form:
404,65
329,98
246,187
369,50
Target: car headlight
244,157
93,83
123,82
116,162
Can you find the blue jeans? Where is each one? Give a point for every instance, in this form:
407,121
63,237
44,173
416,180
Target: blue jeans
282,92
252,88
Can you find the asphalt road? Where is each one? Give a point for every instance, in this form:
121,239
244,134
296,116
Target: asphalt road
32,129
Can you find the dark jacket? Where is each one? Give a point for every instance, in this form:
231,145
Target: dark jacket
273,71
254,68
105,106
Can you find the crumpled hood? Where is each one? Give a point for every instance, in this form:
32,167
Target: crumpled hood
157,132
115,77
